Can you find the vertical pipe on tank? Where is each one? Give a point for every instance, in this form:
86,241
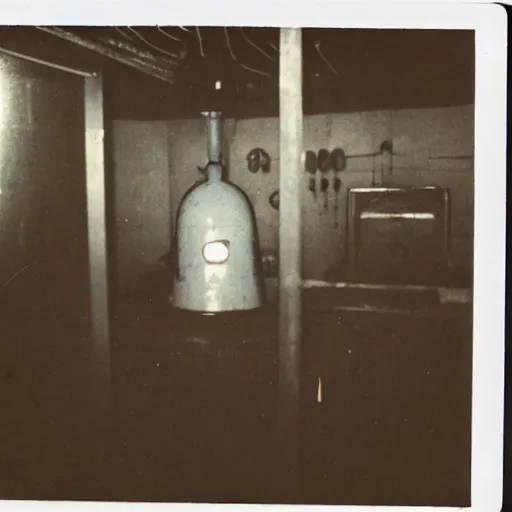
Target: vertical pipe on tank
214,135
290,258
214,144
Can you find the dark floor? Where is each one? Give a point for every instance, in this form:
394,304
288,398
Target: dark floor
394,425
190,423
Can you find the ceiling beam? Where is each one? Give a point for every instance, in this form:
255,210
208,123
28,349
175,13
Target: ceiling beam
154,70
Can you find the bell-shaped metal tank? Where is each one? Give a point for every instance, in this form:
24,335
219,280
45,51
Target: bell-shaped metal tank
218,266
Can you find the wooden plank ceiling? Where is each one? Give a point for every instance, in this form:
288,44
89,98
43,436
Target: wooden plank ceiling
344,70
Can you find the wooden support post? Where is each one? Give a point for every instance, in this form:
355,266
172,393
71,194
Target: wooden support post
96,218
290,242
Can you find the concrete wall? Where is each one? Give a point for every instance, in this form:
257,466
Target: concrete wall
156,164
143,214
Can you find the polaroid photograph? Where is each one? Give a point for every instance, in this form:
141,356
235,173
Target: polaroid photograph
252,255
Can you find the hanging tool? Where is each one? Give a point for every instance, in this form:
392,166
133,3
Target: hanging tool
324,165
258,160
274,199
310,163
264,161
324,160
386,163
337,187
312,187
338,160
253,161
324,187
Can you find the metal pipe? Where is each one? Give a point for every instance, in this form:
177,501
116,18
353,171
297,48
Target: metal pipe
45,63
290,257
97,239
214,145
148,68
142,55
214,135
